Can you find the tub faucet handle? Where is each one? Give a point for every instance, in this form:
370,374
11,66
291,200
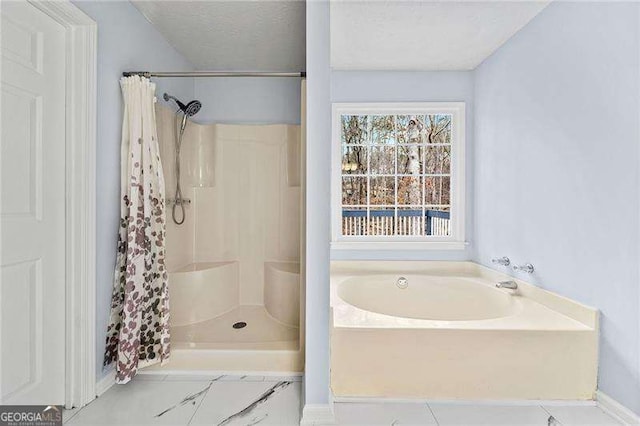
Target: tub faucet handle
527,267
504,261
511,285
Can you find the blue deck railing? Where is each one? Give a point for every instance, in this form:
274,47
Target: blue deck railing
439,218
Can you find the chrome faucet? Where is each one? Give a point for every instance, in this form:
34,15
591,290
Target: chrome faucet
504,261
528,268
511,285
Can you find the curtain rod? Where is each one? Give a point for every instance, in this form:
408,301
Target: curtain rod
150,74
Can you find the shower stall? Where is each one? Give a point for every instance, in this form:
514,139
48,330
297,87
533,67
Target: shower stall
233,248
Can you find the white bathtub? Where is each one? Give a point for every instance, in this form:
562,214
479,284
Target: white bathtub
451,334
428,297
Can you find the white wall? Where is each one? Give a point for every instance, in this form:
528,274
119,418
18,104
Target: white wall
318,166
397,86
556,168
248,100
126,41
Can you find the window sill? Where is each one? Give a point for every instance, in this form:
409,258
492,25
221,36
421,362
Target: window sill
398,245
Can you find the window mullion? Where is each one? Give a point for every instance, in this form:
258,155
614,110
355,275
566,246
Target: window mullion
423,183
395,178
368,173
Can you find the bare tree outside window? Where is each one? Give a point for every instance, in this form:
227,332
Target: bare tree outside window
396,174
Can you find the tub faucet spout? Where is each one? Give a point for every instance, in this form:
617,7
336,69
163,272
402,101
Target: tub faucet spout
511,285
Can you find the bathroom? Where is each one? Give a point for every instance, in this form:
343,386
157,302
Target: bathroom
420,212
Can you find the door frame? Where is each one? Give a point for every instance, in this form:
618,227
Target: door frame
80,201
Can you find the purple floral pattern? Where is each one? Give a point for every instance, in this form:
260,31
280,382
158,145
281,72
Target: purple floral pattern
138,331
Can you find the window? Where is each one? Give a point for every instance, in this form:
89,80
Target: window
398,175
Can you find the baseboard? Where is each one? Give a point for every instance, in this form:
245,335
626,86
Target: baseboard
106,382
154,372
489,402
317,414
616,410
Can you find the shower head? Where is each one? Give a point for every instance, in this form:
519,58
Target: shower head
192,108
189,110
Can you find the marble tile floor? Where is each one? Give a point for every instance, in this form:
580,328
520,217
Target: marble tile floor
251,400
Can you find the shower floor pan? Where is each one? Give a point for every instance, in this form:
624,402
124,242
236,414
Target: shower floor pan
204,309
261,332
215,346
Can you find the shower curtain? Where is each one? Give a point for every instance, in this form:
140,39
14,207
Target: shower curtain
138,331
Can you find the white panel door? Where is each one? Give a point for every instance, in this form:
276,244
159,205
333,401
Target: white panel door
32,206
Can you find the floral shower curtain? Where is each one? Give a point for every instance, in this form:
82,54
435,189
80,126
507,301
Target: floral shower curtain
138,331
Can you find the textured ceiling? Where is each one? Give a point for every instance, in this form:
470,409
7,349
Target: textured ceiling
265,35
233,35
423,35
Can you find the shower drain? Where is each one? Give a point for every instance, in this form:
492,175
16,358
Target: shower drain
240,324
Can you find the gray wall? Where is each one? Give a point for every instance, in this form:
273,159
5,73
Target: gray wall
248,100
126,41
556,168
394,86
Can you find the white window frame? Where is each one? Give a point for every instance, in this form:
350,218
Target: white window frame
455,241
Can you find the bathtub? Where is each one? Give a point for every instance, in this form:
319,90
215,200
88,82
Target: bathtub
451,334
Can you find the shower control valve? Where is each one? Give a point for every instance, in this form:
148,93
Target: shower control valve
180,201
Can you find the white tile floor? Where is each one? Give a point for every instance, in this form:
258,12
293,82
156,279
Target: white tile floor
229,400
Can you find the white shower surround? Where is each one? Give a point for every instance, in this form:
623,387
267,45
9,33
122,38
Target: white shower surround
236,257
252,214
203,291
257,188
